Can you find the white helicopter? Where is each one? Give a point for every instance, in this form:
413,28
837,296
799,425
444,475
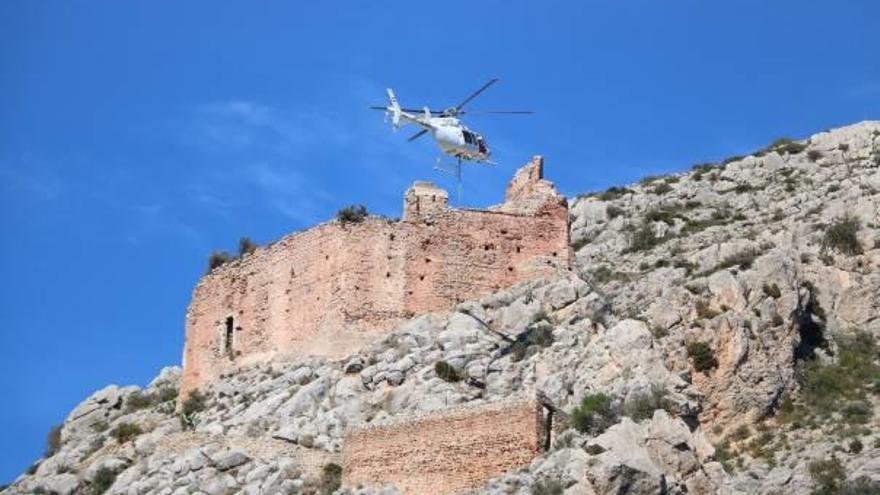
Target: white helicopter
453,138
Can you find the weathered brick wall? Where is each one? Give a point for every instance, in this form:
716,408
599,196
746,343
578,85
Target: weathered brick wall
330,289
444,453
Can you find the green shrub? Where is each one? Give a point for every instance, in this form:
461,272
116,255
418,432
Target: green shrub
814,155
53,441
123,432
331,479
828,475
783,146
246,246
643,238
642,406
103,480
666,214
772,291
614,211
446,372
841,387
705,311
842,235
167,394
743,259
855,446
195,402
594,415
702,356
613,193
352,214
661,188
139,400
741,433
217,259
548,486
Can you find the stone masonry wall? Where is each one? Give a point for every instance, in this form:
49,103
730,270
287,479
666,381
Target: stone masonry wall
444,453
329,290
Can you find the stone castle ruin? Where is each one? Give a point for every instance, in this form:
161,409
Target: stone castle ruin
331,289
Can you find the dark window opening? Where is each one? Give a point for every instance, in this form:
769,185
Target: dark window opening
421,277
387,274
517,249
227,343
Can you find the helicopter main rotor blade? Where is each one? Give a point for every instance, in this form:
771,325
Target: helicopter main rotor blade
475,94
498,112
409,110
417,135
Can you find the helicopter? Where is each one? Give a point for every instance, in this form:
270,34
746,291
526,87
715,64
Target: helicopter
451,135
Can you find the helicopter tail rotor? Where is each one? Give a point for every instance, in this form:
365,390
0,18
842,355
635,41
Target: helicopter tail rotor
394,109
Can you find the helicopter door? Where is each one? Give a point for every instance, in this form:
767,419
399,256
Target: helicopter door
468,137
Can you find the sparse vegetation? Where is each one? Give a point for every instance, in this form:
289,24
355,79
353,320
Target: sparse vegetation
594,415
613,193
539,334
548,486
814,155
331,479
842,235
643,238
53,441
123,432
772,290
614,211
705,311
742,260
446,372
783,146
102,481
661,188
217,259
828,475
702,356
139,400
855,446
837,389
246,246
352,214
194,403
642,406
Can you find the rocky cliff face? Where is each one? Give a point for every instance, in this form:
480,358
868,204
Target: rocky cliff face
721,324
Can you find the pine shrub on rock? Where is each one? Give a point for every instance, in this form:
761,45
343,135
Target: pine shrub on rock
123,432
594,414
53,441
548,486
842,235
103,480
446,372
702,356
352,214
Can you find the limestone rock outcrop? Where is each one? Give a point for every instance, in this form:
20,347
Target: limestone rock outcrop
700,306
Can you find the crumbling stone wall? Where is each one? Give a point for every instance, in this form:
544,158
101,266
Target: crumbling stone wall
329,290
446,452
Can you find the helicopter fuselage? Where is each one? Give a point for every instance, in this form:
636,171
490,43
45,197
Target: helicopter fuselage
456,140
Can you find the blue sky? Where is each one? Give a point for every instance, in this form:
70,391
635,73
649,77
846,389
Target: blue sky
135,137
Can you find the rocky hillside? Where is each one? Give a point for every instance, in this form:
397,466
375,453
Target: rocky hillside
719,336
